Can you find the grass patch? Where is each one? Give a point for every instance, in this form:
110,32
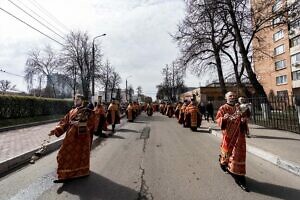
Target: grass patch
12,122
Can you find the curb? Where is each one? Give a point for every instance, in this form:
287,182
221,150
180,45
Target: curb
21,159
9,128
267,156
10,164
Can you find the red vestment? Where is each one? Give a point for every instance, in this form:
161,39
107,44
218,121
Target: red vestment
233,145
73,158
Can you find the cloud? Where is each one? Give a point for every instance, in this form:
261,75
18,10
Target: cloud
137,42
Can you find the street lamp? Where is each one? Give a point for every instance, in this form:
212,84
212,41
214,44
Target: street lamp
93,70
126,87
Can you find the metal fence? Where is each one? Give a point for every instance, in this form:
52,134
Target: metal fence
278,112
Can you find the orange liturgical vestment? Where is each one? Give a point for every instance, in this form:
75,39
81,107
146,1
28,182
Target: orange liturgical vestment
73,158
233,145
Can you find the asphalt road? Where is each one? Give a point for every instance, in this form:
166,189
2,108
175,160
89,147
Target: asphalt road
154,158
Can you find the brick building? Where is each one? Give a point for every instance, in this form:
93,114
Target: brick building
277,64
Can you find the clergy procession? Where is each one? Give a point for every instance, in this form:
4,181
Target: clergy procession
83,121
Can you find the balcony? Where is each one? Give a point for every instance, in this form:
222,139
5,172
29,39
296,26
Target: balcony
294,32
296,84
295,49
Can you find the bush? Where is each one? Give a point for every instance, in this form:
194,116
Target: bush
23,106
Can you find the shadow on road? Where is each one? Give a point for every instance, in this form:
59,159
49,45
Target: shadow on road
273,190
97,187
156,118
138,122
117,137
202,131
123,130
272,137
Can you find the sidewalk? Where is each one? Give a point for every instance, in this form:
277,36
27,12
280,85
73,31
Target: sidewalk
282,148
17,146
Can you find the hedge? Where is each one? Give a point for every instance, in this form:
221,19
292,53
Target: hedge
24,106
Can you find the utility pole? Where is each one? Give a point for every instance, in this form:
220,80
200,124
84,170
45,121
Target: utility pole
173,82
126,90
93,68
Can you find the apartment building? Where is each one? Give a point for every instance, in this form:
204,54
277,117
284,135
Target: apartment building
276,56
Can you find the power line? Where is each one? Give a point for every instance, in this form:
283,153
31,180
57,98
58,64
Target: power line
35,19
1,70
40,16
31,26
54,19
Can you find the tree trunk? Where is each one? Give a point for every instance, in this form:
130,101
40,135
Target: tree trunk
251,75
220,75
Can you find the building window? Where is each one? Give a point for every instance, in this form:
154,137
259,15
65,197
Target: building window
277,5
282,93
295,24
276,21
295,60
281,79
280,64
278,35
279,50
296,75
295,41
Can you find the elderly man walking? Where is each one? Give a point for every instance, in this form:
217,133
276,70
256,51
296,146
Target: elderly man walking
233,146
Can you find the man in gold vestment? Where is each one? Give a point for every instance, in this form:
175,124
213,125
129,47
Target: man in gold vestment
73,158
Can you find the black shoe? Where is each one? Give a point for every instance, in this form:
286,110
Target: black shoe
241,181
224,168
242,185
104,135
60,180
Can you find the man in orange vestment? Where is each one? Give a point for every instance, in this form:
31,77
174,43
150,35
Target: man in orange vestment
113,115
149,109
233,145
193,115
182,111
130,112
73,158
101,118
177,110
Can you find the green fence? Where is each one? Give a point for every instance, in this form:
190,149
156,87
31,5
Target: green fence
22,106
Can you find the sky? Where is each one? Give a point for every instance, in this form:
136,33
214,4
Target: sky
138,42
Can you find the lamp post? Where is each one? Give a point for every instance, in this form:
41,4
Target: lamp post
93,69
126,91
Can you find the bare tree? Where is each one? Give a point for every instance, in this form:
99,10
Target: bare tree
42,65
200,37
118,95
173,83
71,69
139,91
115,82
241,17
78,52
6,85
105,78
238,69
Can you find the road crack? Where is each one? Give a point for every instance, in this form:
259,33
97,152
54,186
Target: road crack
144,193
